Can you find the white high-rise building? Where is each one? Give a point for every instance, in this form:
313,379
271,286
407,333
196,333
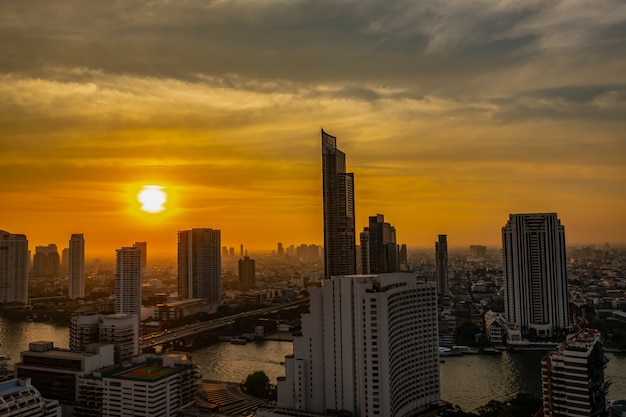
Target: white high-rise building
128,281
200,265
368,346
14,265
572,377
535,270
122,331
76,265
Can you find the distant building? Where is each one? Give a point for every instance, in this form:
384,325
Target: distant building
76,267
246,270
403,258
151,386
441,259
14,265
338,203
536,297
379,240
128,281
367,347
280,251
572,377
199,264
46,261
478,251
18,398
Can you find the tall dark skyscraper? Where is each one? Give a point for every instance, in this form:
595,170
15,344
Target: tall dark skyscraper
200,264
339,226
535,271
379,250
441,255
246,269
76,265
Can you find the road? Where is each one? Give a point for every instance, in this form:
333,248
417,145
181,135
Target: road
155,339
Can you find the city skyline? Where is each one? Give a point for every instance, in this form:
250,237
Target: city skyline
453,116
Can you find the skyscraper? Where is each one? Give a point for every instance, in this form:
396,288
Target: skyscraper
143,247
128,281
339,228
246,271
572,377
76,267
441,257
536,299
368,347
379,240
200,264
14,264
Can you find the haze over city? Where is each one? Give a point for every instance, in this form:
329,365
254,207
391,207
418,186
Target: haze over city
452,115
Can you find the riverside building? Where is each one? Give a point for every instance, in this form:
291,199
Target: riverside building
368,347
14,265
572,377
535,271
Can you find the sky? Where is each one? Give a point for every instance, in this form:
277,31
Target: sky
453,114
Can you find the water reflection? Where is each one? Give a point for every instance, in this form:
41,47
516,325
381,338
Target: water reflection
469,381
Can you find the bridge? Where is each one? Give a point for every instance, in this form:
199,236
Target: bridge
187,334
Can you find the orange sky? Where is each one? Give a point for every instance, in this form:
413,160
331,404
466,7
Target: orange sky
451,116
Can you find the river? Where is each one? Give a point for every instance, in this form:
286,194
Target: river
468,381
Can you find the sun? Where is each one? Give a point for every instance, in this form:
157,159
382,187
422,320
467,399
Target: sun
152,198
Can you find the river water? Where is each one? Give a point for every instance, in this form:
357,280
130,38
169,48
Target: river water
468,381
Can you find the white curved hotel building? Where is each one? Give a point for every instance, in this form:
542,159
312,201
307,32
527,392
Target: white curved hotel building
368,347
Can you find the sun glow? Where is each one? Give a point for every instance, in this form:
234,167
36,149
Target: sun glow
152,198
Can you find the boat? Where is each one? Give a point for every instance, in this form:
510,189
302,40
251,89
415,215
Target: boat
490,351
238,341
444,351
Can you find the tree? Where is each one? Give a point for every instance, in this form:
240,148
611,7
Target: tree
258,384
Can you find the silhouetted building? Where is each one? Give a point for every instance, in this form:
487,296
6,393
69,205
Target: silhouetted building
128,281
441,259
535,271
368,347
379,240
14,265
339,226
403,258
478,251
46,261
246,273
199,264
280,251
76,267
572,377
